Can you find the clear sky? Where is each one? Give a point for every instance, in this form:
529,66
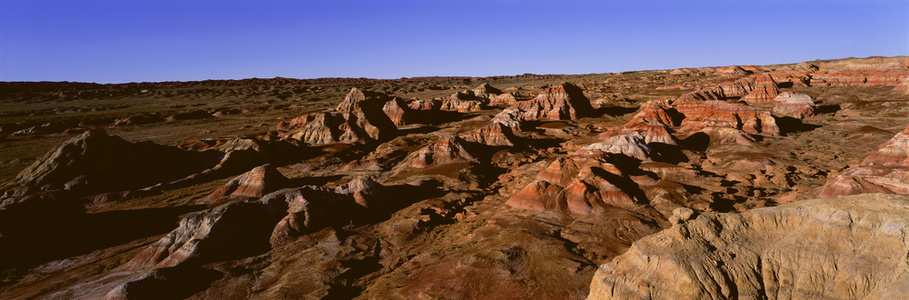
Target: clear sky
116,41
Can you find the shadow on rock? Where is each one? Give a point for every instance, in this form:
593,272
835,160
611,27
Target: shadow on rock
792,125
33,239
696,142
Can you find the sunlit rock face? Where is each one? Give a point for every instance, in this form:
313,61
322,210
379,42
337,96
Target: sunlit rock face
842,248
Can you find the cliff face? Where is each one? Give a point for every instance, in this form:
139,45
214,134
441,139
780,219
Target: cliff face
839,248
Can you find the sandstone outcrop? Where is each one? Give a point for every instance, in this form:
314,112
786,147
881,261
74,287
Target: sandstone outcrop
731,70
858,77
844,248
255,183
795,105
652,121
425,105
734,89
631,145
398,111
360,117
562,102
461,105
504,99
446,150
587,184
792,77
765,89
487,91
494,134
317,128
884,171
703,94
713,113
902,87
364,112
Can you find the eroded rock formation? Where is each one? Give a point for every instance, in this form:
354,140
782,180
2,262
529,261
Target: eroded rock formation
884,171
849,248
795,105
360,117
765,89
255,183
705,114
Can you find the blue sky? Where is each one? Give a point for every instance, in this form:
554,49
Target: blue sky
116,41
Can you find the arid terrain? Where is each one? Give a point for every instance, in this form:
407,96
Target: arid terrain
777,181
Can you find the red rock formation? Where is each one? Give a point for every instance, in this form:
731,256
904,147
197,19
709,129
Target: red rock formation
376,161
884,171
686,71
364,110
360,117
487,91
461,105
561,102
494,134
505,99
561,171
631,145
753,69
537,197
589,185
793,77
594,189
652,133
701,95
441,152
654,112
858,77
700,115
425,104
764,91
796,105
652,121
731,70
256,183
397,111
509,117
734,89
893,153
902,87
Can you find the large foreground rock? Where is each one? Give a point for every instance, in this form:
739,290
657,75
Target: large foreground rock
838,248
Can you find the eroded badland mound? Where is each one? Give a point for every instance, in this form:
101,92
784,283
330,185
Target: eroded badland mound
778,181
